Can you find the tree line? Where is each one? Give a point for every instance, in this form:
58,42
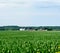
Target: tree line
48,28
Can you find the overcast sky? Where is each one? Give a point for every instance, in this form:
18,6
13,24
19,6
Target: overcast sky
30,12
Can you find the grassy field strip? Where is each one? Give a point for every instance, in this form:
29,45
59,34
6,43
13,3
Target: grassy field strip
29,42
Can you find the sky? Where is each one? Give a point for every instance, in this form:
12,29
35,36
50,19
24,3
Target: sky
30,12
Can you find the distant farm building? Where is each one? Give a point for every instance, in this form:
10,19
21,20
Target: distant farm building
22,29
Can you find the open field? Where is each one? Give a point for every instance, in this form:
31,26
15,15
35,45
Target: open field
29,41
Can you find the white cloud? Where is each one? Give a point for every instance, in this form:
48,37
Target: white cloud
22,11
6,5
26,3
56,1
48,0
2,5
15,3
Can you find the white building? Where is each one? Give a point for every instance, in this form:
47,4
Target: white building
22,29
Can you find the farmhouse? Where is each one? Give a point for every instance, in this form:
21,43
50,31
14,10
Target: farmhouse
22,29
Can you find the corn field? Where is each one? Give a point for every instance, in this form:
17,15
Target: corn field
29,42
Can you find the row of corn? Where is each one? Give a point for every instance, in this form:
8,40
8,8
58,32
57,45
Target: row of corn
18,46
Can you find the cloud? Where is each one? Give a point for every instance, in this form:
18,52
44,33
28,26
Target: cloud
2,5
28,7
25,12
57,1
6,5
15,3
28,3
